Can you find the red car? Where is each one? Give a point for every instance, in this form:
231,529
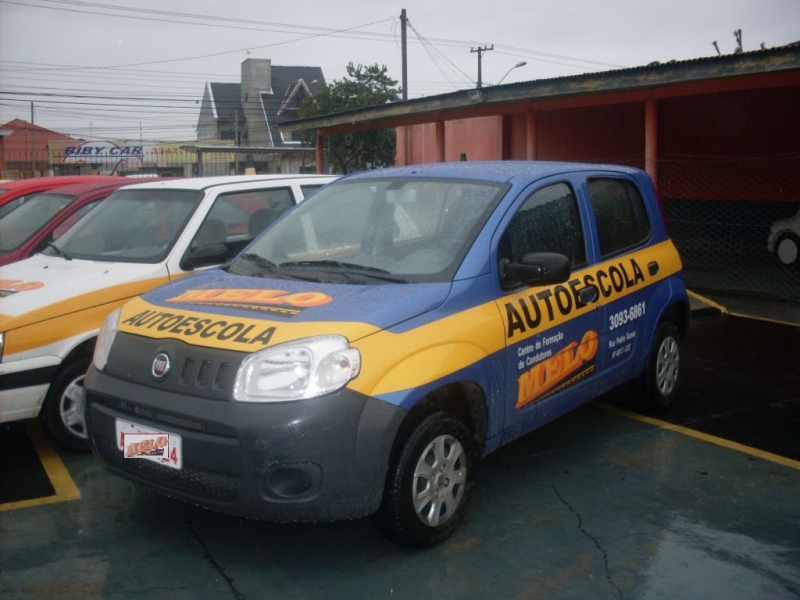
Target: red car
14,193
43,217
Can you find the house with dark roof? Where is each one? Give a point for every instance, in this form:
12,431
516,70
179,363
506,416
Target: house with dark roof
247,115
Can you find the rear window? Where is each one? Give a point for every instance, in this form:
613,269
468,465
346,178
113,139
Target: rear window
619,213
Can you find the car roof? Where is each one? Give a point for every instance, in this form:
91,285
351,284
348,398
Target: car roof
499,171
203,183
76,189
54,181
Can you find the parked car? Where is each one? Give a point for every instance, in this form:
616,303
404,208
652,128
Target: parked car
52,304
14,193
366,350
784,240
45,216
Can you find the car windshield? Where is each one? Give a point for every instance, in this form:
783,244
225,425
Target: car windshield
17,226
130,226
373,231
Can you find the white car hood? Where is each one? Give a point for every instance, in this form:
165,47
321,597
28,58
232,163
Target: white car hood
29,285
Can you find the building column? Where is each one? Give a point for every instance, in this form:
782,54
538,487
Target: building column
401,155
530,136
320,153
651,139
439,128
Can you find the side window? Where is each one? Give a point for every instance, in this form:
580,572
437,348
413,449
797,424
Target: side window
620,215
549,221
238,217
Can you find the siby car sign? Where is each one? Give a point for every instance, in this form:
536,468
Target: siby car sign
99,152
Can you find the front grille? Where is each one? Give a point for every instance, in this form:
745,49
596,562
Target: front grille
194,482
130,411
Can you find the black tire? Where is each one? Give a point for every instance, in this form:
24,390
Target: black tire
430,482
787,250
62,412
657,387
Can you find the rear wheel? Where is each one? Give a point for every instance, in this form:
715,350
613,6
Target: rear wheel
429,485
62,412
657,387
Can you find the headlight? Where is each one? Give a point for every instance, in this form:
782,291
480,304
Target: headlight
105,338
297,370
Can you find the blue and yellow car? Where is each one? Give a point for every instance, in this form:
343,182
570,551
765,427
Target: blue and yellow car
370,346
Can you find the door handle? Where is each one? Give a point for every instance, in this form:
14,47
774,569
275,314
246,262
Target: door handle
652,268
588,294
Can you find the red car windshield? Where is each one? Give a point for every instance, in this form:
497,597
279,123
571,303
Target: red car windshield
25,220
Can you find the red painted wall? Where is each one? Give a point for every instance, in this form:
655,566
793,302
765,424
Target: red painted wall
741,145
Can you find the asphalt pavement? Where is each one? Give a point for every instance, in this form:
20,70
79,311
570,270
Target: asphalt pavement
699,501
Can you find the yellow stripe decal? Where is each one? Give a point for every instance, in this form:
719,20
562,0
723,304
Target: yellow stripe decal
399,361
66,318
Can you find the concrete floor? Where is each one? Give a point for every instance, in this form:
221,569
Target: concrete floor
603,503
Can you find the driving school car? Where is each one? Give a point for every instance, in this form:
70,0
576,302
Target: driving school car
143,235
363,353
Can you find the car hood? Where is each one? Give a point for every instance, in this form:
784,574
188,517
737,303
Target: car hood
288,309
43,287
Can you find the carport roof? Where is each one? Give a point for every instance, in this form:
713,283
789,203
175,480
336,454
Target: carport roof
656,80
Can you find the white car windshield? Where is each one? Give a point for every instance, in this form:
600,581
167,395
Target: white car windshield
373,230
130,226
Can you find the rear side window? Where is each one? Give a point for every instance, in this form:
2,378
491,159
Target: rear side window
549,221
238,217
620,215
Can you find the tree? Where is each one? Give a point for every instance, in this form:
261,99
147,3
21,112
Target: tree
364,86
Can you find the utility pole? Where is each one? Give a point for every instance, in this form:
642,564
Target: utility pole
33,144
480,52
404,50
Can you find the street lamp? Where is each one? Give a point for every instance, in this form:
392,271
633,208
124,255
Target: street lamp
521,63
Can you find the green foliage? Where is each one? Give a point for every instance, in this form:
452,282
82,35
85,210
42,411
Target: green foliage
364,86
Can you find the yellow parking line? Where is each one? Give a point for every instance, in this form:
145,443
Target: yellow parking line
726,311
711,439
57,473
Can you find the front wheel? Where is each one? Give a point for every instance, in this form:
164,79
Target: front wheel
657,387
430,481
62,412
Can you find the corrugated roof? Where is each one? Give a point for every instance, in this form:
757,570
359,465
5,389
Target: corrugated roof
653,75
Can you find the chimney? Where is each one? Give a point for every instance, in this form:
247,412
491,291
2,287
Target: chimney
256,79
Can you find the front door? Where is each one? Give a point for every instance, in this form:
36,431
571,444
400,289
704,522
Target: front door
551,331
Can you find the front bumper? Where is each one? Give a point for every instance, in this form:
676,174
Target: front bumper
311,460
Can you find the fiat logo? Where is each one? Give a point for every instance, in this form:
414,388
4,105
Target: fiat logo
161,366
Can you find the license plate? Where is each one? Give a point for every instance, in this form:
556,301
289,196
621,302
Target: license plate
136,441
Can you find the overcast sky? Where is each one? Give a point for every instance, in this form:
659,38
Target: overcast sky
114,69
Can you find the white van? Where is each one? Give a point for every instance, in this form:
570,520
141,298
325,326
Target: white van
53,304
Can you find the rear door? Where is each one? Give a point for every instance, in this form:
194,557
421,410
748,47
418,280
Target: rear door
626,263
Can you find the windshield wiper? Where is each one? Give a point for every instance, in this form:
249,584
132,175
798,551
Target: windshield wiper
346,267
59,251
268,267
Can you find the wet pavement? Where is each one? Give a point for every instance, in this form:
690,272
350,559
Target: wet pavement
700,501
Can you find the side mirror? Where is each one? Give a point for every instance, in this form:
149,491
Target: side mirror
202,256
537,268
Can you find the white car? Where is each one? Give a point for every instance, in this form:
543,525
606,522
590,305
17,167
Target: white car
53,304
784,240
